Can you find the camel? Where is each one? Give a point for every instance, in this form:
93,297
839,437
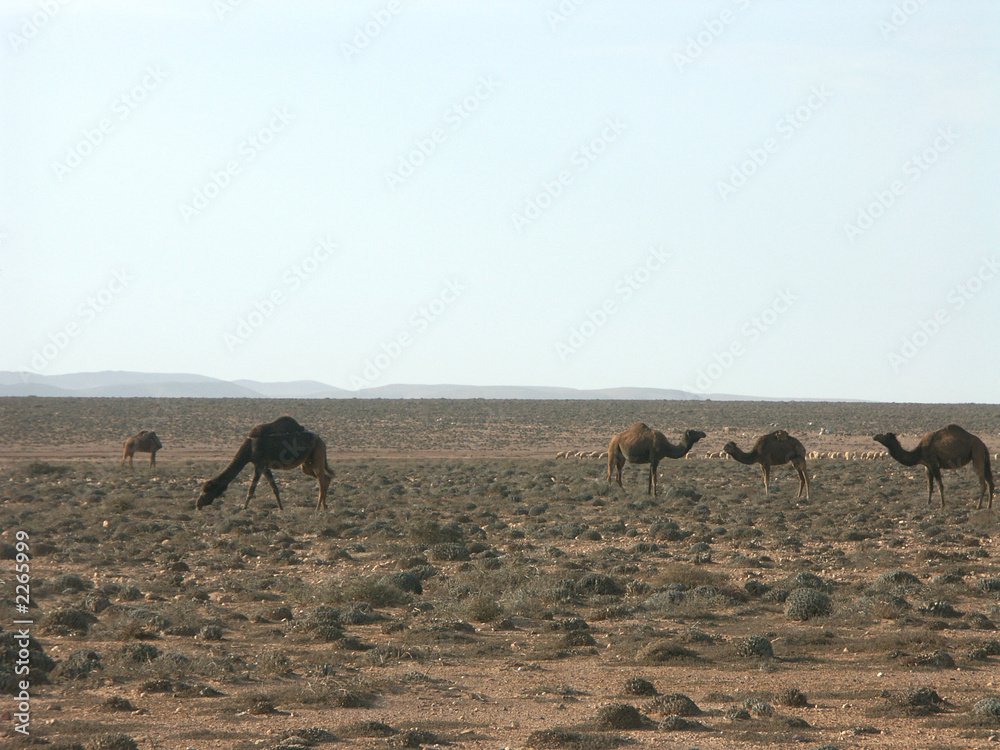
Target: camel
282,444
144,441
949,448
774,449
640,444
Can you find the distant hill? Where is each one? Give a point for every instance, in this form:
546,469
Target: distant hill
118,384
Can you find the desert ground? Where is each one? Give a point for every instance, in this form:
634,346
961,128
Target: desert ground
468,589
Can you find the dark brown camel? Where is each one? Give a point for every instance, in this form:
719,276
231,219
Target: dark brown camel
774,449
950,448
640,444
282,444
144,441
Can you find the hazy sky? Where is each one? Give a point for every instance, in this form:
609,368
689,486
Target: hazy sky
793,198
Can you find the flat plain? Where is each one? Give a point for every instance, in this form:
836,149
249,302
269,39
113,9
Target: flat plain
469,589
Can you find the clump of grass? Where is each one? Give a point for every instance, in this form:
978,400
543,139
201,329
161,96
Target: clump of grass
621,716
673,704
755,646
806,603
44,469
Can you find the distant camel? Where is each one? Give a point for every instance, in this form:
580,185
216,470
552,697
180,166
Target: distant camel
282,444
950,448
640,444
144,441
774,449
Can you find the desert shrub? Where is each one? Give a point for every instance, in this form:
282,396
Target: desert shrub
79,663
404,581
939,659
450,552
680,724
988,585
621,716
70,582
38,662
755,646
989,706
806,603
673,704
115,741
44,469
483,608
758,706
117,703
922,701
138,652
893,579
805,579
639,686
792,697
68,622
431,532
598,583
369,728
663,651
371,590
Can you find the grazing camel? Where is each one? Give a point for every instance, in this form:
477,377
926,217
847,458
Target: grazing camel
950,448
774,449
640,444
282,444
144,441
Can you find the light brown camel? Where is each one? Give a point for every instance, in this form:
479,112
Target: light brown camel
144,441
640,444
774,449
950,448
282,444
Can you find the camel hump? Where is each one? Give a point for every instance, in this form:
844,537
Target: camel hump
280,425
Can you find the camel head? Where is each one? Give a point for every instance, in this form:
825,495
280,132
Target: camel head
889,437
209,491
730,447
692,436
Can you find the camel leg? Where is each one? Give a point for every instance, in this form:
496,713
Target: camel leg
766,471
800,467
274,486
124,456
152,459
651,488
324,486
940,483
985,475
253,487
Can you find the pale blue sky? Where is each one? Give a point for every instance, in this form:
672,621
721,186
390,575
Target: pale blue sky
776,198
